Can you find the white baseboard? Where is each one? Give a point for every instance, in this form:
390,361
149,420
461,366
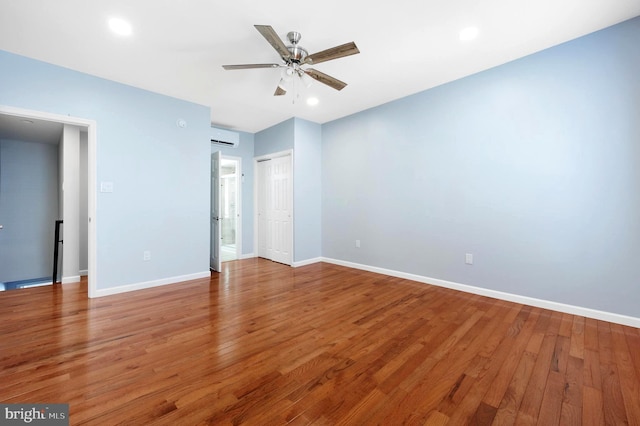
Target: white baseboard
247,256
150,284
525,300
84,272
306,262
71,279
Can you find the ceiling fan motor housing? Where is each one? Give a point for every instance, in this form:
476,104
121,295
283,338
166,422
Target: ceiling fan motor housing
298,53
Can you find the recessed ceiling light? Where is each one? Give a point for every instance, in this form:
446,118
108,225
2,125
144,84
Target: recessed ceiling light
469,33
120,27
312,101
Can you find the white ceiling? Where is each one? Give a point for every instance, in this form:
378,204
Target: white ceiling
407,46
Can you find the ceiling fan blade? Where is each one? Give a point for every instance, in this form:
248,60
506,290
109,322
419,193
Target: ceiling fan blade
332,53
249,66
325,79
272,37
279,91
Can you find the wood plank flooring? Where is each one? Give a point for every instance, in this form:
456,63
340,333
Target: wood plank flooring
266,344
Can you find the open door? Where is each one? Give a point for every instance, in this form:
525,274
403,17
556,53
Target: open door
216,220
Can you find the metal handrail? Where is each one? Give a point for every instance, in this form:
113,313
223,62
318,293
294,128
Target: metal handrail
55,251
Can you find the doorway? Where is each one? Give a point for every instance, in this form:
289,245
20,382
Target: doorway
226,209
230,208
28,202
84,146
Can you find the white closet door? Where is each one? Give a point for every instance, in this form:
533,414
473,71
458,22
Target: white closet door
275,209
281,209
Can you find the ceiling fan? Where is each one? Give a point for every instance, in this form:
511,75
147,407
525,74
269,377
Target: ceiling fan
294,57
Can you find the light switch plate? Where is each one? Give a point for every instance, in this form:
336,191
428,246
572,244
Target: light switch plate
106,186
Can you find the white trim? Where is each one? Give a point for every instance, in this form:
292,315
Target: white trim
84,272
149,284
274,155
71,279
247,256
510,297
91,126
292,189
307,262
255,206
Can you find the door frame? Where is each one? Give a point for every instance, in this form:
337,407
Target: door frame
91,127
256,185
215,261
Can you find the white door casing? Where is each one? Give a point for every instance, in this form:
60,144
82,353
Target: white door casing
261,211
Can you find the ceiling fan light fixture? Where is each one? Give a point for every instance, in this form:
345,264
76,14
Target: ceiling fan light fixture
287,73
306,80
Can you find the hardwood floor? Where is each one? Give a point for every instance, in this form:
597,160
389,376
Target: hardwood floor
265,344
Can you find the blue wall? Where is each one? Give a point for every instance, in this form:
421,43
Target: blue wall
307,195
278,138
533,167
160,172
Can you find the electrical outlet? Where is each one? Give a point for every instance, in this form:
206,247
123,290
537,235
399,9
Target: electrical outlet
357,243
146,255
468,259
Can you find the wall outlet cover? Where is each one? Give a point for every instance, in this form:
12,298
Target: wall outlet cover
106,186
